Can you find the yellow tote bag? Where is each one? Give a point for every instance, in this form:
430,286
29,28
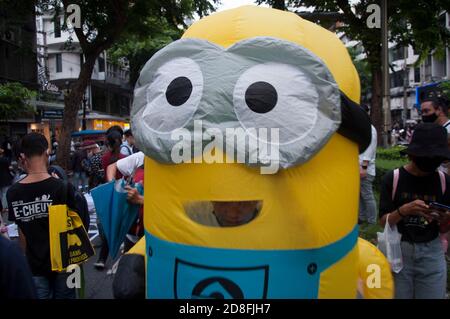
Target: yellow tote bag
69,241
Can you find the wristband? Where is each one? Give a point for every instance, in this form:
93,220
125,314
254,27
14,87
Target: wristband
401,215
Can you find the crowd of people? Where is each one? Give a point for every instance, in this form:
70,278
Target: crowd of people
406,198
28,191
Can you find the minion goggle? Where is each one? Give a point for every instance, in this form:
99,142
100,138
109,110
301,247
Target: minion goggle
260,82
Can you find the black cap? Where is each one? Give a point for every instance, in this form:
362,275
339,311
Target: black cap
429,140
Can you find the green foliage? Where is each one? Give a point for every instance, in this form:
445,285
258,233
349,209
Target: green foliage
410,22
387,165
416,23
363,69
155,32
277,4
369,232
105,21
138,50
14,100
392,153
420,25
387,160
445,87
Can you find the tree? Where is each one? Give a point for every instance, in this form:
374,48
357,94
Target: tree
15,101
103,22
276,4
138,50
445,87
410,23
363,69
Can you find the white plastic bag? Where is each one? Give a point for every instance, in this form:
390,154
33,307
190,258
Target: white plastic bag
389,242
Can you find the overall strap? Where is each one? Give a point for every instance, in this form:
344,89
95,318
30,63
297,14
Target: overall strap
443,183
395,182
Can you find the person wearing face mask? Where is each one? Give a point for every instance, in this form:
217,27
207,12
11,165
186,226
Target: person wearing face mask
435,110
405,197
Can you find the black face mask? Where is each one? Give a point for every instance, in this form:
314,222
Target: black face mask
429,118
426,164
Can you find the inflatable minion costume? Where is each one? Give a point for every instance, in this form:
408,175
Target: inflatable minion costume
251,68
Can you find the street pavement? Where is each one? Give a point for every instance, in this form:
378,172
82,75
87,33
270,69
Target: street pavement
98,283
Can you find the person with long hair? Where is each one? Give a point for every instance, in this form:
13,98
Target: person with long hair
113,142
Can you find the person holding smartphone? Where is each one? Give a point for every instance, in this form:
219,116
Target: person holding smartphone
406,194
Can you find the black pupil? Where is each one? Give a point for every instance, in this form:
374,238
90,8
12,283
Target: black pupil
179,91
261,97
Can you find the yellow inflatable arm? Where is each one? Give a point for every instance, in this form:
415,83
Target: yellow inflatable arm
138,248
375,277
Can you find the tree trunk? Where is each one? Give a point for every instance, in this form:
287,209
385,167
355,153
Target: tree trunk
72,103
376,109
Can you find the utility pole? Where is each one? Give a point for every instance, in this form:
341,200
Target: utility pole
405,87
83,120
385,68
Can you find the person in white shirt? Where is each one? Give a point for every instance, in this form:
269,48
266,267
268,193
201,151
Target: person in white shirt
367,204
126,166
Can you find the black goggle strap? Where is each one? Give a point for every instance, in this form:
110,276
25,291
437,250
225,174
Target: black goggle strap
355,123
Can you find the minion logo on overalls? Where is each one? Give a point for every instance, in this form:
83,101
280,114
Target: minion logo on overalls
249,68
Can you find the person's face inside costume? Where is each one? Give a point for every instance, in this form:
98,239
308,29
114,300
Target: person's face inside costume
429,112
427,164
235,213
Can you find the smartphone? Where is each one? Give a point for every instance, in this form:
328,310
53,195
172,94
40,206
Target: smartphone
440,207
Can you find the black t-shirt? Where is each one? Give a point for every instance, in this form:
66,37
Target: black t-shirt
28,207
409,188
16,281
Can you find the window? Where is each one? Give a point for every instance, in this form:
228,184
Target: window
397,53
444,64
427,68
441,20
57,24
417,75
99,99
397,79
101,64
58,63
115,104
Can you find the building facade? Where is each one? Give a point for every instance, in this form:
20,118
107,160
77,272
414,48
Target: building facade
406,76
17,60
107,99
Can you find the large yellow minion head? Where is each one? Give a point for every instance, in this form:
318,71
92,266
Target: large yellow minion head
247,69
